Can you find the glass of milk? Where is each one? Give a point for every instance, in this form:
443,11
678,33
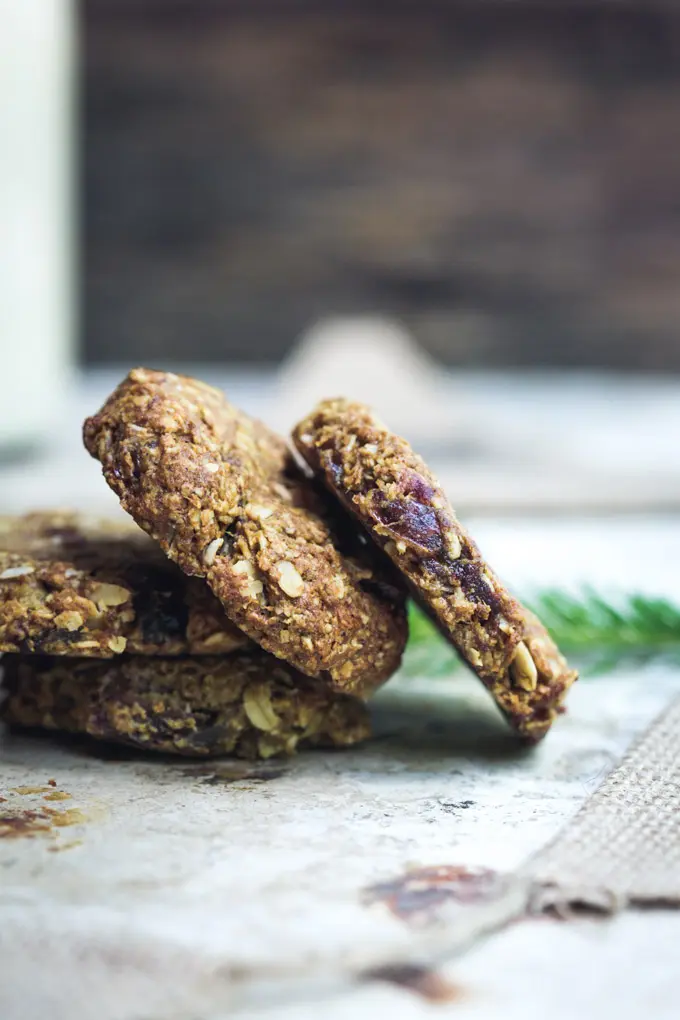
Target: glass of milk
37,74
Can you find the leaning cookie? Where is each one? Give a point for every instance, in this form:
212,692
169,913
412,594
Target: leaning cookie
77,585
377,476
223,497
247,703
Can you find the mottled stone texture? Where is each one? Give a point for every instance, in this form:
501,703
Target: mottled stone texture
504,177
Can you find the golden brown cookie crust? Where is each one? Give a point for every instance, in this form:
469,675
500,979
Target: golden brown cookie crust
83,586
377,476
247,704
221,494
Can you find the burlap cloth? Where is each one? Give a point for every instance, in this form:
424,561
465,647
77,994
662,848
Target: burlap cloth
623,846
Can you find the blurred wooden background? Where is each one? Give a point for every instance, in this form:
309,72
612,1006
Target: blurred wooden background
505,177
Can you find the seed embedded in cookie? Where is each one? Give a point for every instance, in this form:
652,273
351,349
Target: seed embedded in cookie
247,704
283,560
71,584
378,478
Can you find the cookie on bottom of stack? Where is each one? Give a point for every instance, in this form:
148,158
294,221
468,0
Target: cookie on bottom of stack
247,704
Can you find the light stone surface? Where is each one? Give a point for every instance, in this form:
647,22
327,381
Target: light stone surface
186,869
199,891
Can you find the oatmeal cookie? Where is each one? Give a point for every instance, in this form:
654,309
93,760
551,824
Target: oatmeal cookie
248,703
376,475
222,495
81,586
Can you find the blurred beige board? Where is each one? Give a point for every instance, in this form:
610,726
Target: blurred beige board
133,888
378,363
508,443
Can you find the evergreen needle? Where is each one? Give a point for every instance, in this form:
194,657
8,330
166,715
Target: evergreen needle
599,633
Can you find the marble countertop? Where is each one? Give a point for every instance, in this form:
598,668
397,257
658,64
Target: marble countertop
191,890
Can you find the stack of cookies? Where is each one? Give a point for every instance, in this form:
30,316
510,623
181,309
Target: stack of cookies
107,637
266,601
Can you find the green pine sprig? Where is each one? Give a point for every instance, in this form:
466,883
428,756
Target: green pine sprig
597,633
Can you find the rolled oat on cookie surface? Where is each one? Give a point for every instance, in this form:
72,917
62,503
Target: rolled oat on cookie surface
78,585
248,703
377,476
223,496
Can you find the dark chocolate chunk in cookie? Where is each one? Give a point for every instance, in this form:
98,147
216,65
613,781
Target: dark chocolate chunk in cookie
377,476
222,495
